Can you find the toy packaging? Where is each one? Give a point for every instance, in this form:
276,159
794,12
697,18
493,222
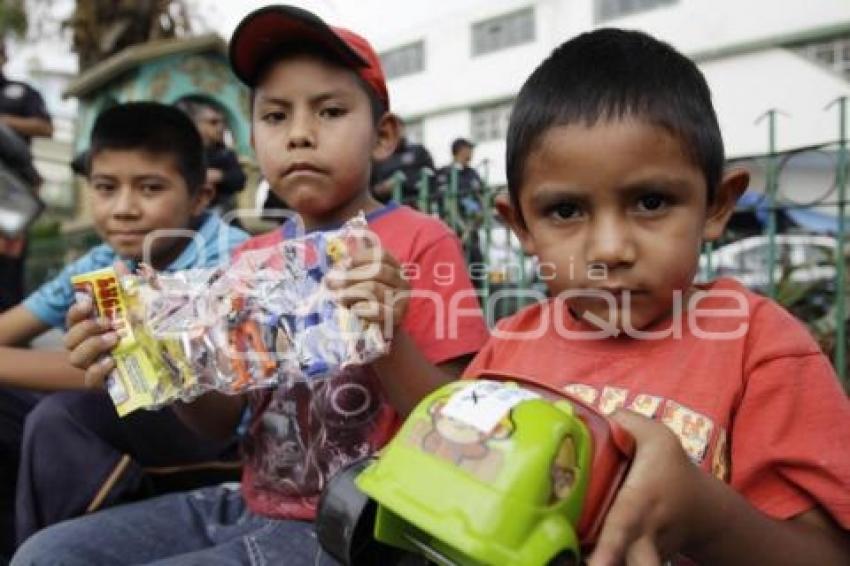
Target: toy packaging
267,319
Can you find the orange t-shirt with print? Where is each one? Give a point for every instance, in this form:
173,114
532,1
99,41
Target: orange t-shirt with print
739,380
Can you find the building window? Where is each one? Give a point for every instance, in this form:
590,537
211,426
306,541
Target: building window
405,60
413,131
503,31
609,9
491,122
833,53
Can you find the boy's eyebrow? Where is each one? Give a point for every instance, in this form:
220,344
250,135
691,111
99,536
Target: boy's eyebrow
266,99
328,95
134,178
664,182
150,177
315,99
103,178
547,195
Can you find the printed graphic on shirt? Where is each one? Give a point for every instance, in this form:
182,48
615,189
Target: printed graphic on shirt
693,429
311,430
646,405
582,392
612,399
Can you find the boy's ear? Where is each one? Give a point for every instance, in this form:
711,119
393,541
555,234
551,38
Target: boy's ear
513,218
733,184
388,133
202,199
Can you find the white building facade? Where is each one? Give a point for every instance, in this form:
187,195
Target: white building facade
458,76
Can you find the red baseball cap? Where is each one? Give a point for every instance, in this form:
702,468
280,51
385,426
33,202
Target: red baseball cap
263,31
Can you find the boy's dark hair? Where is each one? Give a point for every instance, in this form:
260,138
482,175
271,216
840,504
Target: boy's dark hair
290,50
614,74
461,143
155,128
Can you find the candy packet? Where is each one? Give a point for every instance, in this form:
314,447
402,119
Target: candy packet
266,319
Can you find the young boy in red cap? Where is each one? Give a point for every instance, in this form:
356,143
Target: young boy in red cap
320,116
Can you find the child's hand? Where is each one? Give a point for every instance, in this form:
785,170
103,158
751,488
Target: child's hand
372,286
89,341
659,510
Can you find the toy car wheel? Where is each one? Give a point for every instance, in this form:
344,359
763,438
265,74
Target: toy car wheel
563,558
345,522
345,515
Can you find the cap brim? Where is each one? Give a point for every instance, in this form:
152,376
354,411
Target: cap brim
262,32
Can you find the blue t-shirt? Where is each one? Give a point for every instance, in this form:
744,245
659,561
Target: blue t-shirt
211,246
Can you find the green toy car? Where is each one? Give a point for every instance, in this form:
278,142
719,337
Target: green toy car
493,471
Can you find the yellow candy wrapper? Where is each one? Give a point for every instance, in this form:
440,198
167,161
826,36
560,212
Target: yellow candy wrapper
148,372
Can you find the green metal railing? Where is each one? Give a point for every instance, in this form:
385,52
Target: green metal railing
496,261
770,192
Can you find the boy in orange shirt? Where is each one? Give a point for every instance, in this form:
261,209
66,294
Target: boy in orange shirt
615,171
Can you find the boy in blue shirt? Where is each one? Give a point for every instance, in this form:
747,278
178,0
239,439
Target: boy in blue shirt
69,450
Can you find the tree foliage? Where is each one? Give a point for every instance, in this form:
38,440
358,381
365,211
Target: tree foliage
13,18
102,28
97,29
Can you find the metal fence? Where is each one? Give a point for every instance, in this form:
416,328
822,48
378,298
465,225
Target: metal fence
499,269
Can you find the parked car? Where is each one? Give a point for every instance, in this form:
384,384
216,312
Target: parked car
805,258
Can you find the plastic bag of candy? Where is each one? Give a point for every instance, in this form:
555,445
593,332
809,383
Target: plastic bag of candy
266,319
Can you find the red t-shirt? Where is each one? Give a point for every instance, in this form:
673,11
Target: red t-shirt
301,435
742,385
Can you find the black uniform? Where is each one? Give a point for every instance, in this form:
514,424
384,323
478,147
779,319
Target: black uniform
16,99
409,159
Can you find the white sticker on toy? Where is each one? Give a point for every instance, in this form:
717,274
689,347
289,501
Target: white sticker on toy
482,404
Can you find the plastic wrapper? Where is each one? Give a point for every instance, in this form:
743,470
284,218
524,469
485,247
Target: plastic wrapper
268,319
